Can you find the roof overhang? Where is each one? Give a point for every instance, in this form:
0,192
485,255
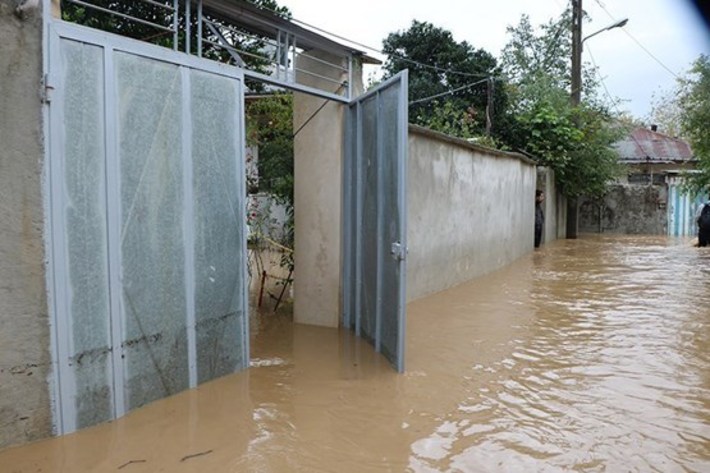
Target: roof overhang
265,23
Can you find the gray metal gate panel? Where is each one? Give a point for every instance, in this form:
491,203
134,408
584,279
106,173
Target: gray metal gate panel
374,243
147,217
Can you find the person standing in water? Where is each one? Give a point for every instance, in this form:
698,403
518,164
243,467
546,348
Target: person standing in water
539,217
702,217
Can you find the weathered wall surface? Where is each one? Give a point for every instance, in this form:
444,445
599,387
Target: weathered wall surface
24,328
318,190
626,209
470,210
561,217
555,206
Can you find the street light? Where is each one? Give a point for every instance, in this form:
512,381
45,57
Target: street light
576,95
576,85
618,24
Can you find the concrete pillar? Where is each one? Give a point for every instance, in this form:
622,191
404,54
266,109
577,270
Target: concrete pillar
546,182
25,363
318,171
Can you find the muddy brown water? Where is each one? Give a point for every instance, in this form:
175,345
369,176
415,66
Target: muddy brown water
587,355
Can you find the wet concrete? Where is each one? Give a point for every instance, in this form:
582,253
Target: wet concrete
587,355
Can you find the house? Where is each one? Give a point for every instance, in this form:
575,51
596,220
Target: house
649,198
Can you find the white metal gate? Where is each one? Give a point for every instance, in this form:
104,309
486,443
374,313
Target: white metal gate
148,237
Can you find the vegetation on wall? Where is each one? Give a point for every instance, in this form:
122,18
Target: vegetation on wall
531,98
575,141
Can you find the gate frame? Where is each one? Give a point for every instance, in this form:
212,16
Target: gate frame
62,378
353,188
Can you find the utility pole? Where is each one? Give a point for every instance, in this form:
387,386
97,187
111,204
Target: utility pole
575,99
576,92
489,106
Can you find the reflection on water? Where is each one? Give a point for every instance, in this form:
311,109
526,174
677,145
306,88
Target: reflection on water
588,355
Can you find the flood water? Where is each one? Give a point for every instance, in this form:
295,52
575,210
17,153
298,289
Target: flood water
588,355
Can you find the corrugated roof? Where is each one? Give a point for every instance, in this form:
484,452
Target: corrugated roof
647,146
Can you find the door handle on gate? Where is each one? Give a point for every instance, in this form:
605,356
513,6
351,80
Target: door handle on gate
398,251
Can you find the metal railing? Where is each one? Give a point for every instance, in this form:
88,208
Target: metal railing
195,31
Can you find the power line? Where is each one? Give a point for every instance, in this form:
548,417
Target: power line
426,99
598,2
651,54
601,79
402,58
613,101
379,51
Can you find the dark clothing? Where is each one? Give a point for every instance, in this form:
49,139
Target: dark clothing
539,223
704,225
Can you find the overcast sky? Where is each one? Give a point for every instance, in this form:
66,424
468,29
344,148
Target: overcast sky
669,29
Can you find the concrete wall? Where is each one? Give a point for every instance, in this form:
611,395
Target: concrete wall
471,210
626,209
318,168
561,217
555,206
24,328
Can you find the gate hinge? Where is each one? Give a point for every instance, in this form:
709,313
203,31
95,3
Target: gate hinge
398,251
47,88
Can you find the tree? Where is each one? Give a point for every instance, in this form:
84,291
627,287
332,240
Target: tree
694,101
270,127
529,57
665,112
540,120
437,65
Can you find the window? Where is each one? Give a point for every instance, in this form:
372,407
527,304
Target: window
640,178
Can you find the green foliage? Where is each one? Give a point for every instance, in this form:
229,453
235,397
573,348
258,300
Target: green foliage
447,118
666,112
270,127
120,25
286,260
451,65
574,141
530,57
594,163
694,101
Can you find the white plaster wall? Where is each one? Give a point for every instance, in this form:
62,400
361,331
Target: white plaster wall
470,210
318,168
25,362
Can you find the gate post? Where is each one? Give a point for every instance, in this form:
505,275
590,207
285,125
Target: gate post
25,360
318,191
